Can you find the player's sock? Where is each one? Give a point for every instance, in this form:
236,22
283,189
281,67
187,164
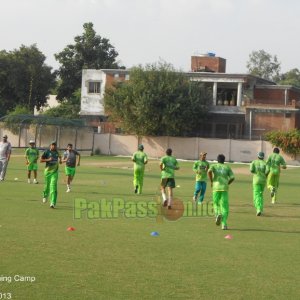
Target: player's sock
164,197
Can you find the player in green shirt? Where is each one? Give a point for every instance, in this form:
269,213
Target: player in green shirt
140,159
168,165
221,176
200,167
274,162
32,156
259,170
52,159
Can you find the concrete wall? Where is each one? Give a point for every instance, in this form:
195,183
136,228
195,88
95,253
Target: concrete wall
155,147
43,135
186,148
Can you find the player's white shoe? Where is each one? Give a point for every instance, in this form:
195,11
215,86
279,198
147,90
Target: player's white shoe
68,190
28,180
35,181
44,200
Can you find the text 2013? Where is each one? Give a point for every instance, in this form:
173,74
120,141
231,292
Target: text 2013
5,295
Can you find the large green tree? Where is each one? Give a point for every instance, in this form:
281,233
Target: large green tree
291,77
157,100
25,79
264,65
89,51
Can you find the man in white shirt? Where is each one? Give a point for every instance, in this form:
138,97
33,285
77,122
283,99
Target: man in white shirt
5,151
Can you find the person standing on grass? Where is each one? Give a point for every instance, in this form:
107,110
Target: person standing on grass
5,152
221,176
52,159
200,167
72,159
140,159
32,156
168,165
274,162
259,170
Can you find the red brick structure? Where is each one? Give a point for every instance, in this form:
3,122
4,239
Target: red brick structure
208,63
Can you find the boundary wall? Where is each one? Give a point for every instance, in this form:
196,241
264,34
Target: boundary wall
186,148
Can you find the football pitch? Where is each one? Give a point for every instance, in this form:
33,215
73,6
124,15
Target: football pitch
112,254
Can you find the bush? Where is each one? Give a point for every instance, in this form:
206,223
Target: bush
288,141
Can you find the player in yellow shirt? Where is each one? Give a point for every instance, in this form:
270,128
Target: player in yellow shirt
221,176
140,159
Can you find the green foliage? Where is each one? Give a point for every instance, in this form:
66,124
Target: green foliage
157,100
67,109
288,141
90,51
25,79
262,64
291,77
12,120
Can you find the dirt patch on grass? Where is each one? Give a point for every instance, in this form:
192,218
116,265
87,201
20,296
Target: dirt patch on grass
239,170
116,164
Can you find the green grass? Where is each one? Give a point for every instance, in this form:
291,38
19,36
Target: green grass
118,258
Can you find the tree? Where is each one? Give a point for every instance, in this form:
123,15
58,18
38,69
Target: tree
67,109
157,100
288,141
90,51
262,64
25,79
291,77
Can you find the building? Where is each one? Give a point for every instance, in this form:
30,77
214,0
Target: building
51,102
243,105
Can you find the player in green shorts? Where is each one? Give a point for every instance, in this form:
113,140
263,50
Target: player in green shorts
259,170
221,176
274,162
52,159
32,156
139,158
72,159
168,165
200,167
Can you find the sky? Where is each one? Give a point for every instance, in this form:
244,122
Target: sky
146,31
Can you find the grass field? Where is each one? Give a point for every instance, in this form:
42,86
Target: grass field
109,257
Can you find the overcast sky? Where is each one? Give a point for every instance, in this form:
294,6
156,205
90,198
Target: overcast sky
145,31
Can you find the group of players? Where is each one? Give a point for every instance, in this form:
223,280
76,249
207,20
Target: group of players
265,173
51,157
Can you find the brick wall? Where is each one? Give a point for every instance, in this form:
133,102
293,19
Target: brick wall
208,64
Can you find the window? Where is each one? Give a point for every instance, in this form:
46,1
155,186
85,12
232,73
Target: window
127,77
94,87
116,75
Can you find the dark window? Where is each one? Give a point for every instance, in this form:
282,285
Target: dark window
94,87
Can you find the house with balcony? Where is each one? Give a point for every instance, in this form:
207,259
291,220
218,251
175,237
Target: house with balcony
243,105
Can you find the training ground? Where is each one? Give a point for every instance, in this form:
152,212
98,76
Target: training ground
114,256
